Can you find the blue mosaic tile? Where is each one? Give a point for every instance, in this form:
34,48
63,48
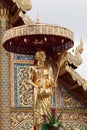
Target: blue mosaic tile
53,99
23,57
60,98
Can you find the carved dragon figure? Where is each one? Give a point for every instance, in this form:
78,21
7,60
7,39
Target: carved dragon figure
76,60
71,62
24,5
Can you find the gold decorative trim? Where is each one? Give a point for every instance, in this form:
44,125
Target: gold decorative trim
34,29
22,110
76,77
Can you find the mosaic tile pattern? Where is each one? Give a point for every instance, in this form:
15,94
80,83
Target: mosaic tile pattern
22,121
24,99
53,100
22,90
67,101
75,114
77,126
23,57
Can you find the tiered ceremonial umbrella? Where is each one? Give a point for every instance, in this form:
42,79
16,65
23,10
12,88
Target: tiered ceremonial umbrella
27,39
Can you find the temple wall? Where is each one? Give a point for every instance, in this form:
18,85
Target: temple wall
22,97
4,74
74,114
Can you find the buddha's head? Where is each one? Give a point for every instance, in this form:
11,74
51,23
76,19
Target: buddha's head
40,56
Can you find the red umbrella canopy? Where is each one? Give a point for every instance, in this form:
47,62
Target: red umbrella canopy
27,39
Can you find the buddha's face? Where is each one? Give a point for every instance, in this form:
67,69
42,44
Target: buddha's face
40,56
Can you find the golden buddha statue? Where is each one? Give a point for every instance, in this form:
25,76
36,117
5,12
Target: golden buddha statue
42,78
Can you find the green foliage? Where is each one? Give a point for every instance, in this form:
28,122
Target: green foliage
52,120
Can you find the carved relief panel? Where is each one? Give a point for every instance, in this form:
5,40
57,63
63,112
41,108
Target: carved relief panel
22,113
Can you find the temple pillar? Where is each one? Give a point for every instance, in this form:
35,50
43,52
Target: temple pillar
5,122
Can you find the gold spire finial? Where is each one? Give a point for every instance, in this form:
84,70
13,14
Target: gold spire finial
37,19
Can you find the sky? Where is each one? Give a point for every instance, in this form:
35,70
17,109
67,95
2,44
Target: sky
71,14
